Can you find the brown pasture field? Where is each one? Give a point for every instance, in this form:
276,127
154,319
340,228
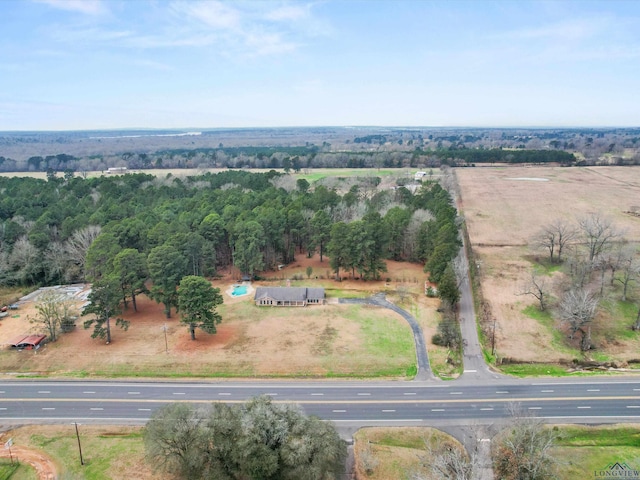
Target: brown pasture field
314,341
504,207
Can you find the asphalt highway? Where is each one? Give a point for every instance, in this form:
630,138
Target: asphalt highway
353,403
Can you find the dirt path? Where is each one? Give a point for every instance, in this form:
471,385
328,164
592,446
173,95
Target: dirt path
44,466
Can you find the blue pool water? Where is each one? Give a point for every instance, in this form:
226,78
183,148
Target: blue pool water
239,290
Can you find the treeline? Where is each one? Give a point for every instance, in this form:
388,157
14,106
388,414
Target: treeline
466,155
141,227
296,158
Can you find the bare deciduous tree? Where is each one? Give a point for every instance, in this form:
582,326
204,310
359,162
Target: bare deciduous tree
410,239
554,238
629,268
25,260
78,244
56,261
536,286
522,450
445,461
636,324
598,232
54,311
579,269
577,309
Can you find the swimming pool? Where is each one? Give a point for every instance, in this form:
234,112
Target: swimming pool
239,290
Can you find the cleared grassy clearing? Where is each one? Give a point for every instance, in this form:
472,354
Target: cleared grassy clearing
327,341
582,451
108,452
16,471
535,370
396,453
547,321
502,216
317,174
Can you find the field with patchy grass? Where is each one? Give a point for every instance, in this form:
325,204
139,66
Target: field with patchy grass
581,451
586,451
310,174
16,470
504,207
327,341
396,453
108,452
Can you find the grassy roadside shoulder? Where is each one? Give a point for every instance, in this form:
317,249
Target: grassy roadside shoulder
590,452
16,471
581,451
383,453
109,452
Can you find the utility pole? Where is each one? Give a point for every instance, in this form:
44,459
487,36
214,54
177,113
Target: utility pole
79,446
166,345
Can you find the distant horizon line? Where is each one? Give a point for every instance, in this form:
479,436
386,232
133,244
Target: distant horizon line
196,130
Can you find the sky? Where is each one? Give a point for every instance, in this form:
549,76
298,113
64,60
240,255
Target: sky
110,64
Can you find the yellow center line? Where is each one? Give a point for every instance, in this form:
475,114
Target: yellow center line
325,402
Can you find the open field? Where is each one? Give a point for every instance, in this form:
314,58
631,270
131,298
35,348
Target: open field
16,471
395,452
108,452
316,341
309,174
583,451
504,208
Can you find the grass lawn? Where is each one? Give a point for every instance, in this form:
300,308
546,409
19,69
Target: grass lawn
396,453
10,295
320,173
545,319
325,341
16,471
534,370
109,452
623,315
583,451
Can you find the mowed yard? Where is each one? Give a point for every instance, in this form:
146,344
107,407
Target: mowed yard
504,207
331,340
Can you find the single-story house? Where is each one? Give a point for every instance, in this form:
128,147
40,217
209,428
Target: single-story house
288,296
27,341
419,176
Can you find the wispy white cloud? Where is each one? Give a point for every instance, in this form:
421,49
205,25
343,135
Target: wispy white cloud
87,7
241,29
571,30
214,14
245,28
289,13
268,44
88,36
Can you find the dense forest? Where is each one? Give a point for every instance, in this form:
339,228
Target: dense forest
137,227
